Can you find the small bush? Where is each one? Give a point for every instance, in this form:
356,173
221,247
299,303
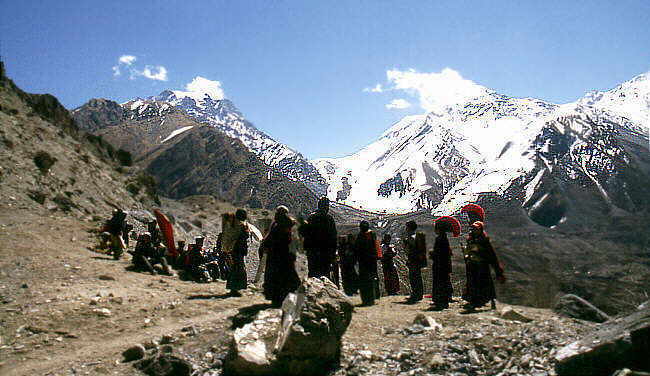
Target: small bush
8,143
44,161
64,202
124,157
37,196
133,188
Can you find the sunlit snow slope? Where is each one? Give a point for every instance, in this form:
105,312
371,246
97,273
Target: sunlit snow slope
492,144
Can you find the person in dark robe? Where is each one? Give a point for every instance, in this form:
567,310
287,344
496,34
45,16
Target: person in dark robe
348,273
414,254
280,276
197,260
115,227
319,233
391,279
479,258
365,251
237,279
441,269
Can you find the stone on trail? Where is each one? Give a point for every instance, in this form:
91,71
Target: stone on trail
164,364
573,306
302,338
102,311
629,372
623,342
134,353
508,313
427,322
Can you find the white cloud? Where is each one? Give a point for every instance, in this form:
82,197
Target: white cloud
435,91
127,59
158,73
376,89
398,104
202,85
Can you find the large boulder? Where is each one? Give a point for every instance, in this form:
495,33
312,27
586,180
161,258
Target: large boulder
573,306
623,342
303,338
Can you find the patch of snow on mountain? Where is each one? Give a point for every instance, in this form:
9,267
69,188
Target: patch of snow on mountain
176,133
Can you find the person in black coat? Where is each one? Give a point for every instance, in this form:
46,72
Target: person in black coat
319,233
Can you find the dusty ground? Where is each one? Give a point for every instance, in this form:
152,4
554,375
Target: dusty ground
49,277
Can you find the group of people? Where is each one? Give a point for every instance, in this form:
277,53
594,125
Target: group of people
350,261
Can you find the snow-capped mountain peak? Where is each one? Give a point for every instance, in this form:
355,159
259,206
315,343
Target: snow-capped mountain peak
444,159
214,110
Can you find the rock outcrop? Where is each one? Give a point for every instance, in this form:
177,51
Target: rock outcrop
304,337
623,342
574,306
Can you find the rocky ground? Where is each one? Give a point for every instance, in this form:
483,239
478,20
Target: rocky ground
66,309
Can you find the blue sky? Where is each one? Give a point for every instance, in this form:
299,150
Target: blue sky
298,69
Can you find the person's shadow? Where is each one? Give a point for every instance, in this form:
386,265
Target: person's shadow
246,315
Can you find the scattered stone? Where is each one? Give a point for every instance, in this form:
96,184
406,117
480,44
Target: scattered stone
106,277
102,311
644,305
427,322
117,300
164,364
628,372
508,313
473,358
623,342
94,300
136,352
167,339
151,344
437,362
573,306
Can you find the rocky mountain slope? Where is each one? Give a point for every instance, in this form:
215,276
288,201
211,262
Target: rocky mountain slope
222,114
48,165
188,157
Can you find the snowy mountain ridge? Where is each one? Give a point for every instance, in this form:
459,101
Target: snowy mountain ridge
222,114
444,159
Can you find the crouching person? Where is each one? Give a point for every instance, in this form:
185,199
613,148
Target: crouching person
146,255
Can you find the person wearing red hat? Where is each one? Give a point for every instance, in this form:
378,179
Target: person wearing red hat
479,258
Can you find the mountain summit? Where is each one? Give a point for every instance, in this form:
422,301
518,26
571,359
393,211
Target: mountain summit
224,115
490,144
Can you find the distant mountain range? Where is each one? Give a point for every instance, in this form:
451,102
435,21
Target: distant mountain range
493,144
192,156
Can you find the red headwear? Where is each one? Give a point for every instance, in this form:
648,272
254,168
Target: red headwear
448,224
474,212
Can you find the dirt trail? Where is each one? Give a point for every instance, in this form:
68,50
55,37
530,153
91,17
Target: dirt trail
49,278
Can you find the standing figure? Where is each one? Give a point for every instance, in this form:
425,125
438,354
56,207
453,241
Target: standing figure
415,247
115,227
348,273
237,279
280,276
319,234
442,289
391,279
479,257
365,252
